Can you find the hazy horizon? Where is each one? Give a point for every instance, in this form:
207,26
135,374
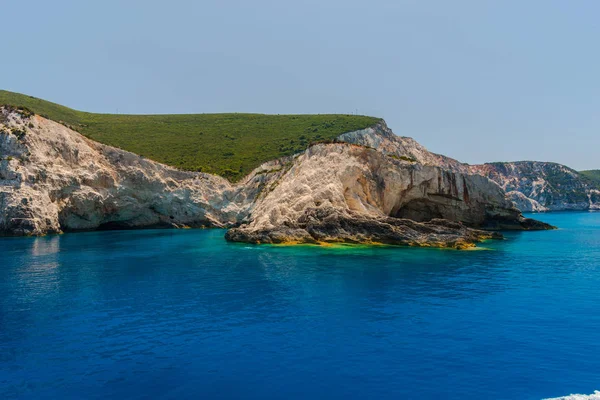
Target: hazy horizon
475,80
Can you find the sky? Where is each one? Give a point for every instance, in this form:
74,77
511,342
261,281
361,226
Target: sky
476,80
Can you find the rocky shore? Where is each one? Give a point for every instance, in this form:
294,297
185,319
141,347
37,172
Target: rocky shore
370,186
329,225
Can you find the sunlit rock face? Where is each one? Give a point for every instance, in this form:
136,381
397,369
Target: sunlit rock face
530,185
354,182
382,138
542,186
376,186
53,179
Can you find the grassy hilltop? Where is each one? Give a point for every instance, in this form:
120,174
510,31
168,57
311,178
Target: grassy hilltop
230,145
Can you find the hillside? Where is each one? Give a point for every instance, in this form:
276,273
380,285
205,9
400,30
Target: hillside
593,175
54,180
543,186
230,145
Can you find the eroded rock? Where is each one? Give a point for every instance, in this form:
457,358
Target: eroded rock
330,225
53,179
536,186
339,192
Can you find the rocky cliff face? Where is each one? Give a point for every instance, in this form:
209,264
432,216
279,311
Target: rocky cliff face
52,179
333,192
542,186
382,138
531,186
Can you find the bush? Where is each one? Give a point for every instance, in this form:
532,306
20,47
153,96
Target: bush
19,133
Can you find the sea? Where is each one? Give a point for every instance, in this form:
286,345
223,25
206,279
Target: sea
183,314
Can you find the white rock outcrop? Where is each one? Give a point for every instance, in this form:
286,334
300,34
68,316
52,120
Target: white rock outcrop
382,138
53,179
380,187
363,187
533,186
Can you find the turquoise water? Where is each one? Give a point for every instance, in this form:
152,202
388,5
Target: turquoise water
184,314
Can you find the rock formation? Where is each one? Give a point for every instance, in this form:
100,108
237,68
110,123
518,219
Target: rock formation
359,186
542,186
370,186
332,225
53,179
530,185
405,148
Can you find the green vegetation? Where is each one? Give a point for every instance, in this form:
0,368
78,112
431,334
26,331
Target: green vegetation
558,176
592,174
230,145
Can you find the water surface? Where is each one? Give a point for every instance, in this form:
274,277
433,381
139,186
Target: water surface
184,314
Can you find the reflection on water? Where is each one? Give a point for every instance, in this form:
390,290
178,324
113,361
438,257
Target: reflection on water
409,274
43,246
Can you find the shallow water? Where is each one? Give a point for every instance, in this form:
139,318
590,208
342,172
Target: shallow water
184,314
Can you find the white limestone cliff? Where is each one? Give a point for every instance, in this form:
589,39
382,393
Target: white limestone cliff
53,179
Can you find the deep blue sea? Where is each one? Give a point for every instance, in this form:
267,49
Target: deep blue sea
177,314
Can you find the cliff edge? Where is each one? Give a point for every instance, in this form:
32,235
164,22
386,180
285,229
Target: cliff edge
360,189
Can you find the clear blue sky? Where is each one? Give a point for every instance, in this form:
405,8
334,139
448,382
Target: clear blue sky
476,80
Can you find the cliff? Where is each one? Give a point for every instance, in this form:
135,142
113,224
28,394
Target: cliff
52,179
543,186
351,193
230,145
530,185
404,148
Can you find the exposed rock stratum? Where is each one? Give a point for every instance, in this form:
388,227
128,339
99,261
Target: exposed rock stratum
543,186
370,186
